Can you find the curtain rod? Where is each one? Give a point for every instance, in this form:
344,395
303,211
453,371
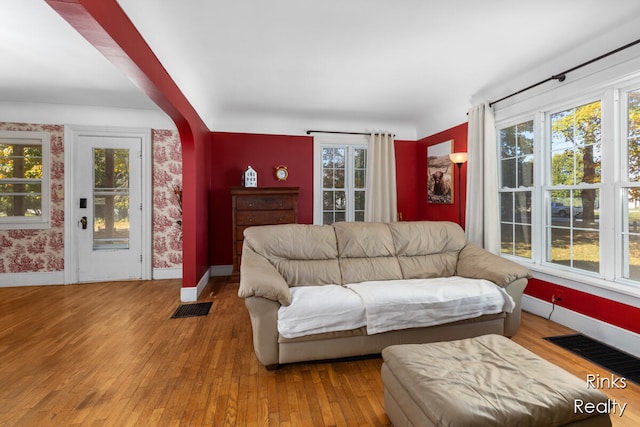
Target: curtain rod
562,76
309,132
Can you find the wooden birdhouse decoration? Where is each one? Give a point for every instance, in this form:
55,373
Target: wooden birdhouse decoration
250,178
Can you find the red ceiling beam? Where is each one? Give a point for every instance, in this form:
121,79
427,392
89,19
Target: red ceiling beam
105,25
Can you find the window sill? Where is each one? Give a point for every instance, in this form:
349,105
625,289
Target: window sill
617,291
40,225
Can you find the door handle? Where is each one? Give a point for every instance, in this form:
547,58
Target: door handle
83,221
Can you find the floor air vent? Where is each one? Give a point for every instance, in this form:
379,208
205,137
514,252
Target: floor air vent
616,361
192,310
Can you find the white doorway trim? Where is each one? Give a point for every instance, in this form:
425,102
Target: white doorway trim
71,135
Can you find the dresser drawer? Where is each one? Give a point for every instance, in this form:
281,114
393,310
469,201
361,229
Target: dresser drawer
264,217
265,203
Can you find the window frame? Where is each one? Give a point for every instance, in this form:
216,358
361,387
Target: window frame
622,183
350,142
547,187
44,220
611,90
519,189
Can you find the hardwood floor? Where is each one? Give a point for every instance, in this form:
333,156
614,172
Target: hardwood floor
108,354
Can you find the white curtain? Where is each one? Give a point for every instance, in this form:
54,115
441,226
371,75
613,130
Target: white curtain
381,200
482,216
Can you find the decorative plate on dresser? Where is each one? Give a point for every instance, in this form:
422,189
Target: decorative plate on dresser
260,206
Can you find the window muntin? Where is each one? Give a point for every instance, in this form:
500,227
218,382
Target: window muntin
516,182
342,181
24,179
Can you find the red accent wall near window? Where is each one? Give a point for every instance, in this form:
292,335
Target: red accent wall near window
407,179
436,212
232,152
606,310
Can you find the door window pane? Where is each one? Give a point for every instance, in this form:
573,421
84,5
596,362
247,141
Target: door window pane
111,199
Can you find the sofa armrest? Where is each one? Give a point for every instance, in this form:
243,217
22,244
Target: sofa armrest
263,314
477,263
261,279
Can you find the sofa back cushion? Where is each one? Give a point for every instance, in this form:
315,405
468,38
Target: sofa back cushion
303,254
427,249
366,252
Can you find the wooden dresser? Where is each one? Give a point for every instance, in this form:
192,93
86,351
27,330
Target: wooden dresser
260,206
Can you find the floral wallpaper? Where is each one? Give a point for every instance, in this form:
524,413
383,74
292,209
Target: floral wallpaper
167,199
24,251
39,250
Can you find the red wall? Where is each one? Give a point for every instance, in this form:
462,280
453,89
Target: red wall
437,212
407,179
231,153
606,310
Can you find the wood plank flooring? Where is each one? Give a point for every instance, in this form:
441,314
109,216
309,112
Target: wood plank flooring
108,354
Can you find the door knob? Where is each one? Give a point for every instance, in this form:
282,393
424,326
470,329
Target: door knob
83,221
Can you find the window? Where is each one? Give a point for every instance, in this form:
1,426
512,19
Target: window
340,179
631,189
572,195
569,182
24,179
516,184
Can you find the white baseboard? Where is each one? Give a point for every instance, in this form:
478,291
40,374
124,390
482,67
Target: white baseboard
221,270
612,335
191,293
8,280
167,273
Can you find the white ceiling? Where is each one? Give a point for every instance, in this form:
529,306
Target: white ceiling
287,65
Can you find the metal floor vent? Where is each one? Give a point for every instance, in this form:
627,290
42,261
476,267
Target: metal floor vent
192,310
616,361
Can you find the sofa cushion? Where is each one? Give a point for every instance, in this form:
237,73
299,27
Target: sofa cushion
320,309
427,249
303,254
366,252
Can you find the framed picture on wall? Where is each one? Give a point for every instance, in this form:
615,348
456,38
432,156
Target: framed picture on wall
440,173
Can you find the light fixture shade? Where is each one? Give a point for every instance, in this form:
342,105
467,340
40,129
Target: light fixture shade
458,157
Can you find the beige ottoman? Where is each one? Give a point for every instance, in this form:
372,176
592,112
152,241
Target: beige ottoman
482,381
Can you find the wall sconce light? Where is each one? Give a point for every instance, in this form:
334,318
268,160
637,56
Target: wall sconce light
459,159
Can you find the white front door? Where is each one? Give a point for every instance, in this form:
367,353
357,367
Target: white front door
108,207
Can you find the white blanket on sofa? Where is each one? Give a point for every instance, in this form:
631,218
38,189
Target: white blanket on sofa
389,305
318,309
401,304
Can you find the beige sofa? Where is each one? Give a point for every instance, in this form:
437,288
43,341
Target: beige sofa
278,257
